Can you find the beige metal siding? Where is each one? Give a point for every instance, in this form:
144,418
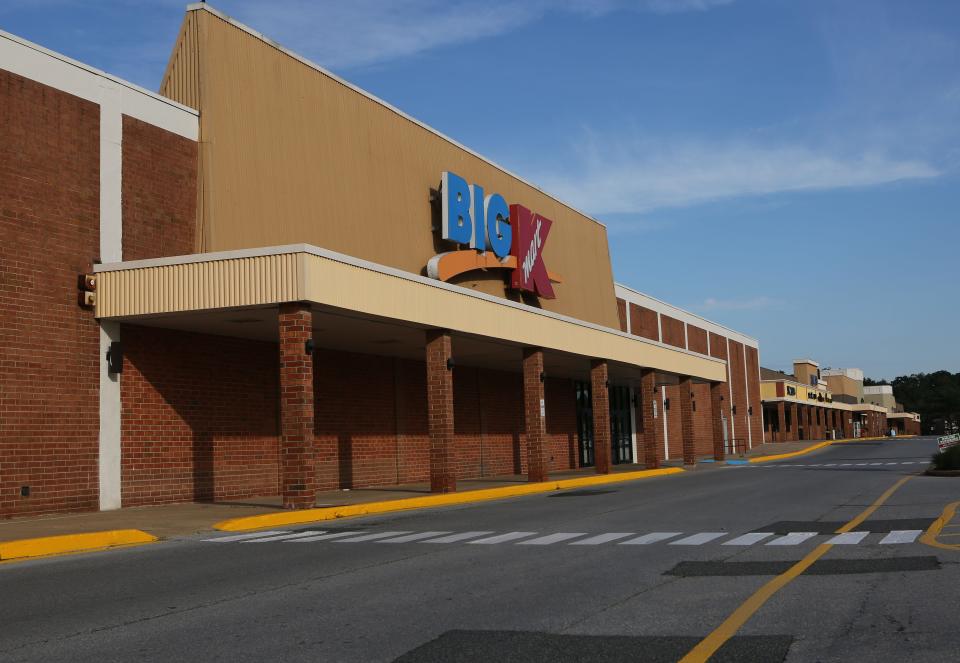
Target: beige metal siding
199,286
256,281
181,81
290,154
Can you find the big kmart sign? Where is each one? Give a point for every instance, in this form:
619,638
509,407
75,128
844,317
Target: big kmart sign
499,236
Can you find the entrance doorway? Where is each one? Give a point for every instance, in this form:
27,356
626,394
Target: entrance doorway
585,422
621,426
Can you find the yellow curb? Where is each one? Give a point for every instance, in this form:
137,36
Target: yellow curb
936,527
819,445
332,513
71,543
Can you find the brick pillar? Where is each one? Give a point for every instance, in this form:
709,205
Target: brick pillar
781,435
534,413
599,378
794,421
686,420
718,392
298,470
440,411
651,435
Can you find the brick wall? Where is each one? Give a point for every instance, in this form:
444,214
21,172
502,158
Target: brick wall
159,191
739,384
673,331
753,379
674,429
199,417
49,347
702,420
643,322
697,339
622,314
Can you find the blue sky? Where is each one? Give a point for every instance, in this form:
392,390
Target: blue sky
788,168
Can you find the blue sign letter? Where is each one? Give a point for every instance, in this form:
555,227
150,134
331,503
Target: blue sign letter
457,222
499,233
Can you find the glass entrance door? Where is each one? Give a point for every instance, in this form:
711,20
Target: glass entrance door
621,426
585,422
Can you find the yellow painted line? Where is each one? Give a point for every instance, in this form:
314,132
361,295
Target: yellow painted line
818,445
936,527
370,508
709,645
71,543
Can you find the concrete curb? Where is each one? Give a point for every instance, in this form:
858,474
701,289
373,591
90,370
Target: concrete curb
72,543
818,445
332,513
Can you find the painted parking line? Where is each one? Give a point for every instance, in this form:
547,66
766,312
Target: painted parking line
901,536
501,538
653,537
412,537
848,538
698,539
792,539
749,539
551,538
244,537
454,538
602,538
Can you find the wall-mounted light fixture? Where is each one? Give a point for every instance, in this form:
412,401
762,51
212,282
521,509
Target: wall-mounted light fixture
115,358
733,409
308,346
750,410
666,403
541,376
450,363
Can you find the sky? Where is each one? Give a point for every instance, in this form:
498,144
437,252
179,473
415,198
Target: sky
788,168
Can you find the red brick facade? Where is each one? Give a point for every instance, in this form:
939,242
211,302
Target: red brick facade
199,417
298,474
49,346
673,333
159,192
643,322
534,408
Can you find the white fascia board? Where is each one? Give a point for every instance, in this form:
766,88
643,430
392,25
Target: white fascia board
198,6
44,66
642,299
382,269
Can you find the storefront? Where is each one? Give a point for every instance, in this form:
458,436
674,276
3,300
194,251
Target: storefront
291,286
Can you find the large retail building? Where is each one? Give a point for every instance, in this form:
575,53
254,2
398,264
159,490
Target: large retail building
265,281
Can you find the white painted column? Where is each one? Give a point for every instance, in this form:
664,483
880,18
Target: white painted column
111,250
666,431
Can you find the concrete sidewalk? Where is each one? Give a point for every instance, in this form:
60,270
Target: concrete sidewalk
173,520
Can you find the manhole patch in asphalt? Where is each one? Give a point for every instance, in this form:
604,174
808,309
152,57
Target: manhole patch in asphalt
823,567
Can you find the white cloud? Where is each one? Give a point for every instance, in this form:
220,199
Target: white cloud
339,34
621,176
714,304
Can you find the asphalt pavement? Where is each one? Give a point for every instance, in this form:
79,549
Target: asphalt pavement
638,571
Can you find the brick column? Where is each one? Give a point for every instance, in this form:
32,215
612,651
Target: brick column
686,420
298,470
781,435
651,437
718,392
440,411
794,432
599,378
534,413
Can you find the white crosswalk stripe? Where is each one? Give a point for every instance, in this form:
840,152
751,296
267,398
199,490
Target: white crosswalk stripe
285,537
412,537
653,537
551,538
848,538
244,537
371,537
488,537
602,538
502,538
454,538
698,539
749,539
901,536
792,539
324,537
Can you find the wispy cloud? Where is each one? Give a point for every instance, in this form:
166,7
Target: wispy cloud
341,35
751,303
616,176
